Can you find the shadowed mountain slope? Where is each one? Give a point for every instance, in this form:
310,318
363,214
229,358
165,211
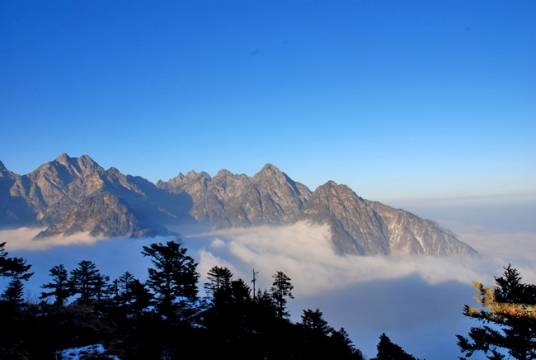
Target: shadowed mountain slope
70,195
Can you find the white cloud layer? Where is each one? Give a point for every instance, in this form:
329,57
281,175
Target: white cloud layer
23,239
409,298
303,250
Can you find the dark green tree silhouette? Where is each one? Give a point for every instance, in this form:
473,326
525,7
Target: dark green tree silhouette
13,267
387,350
3,258
119,288
60,286
219,282
240,292
130,295
87,282
312,320
17,270
102,288
281,290
344,345
138,298
173,278
508,315
14,293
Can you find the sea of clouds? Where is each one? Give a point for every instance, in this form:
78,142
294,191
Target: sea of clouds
417,301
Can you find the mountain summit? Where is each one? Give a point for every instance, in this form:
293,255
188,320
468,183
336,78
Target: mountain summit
75,194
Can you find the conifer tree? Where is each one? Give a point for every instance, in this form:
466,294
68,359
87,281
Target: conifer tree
387,350
341,338
219,282
173,278
281,290
102,288
130,294
18,271
14,293
86,282
508,314
120,287
13,267
312,320
3,258
241,293
138,297
60,286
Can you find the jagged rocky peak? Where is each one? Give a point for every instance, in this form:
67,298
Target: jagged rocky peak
66,168
224,173
332,191
177,183
64,159
271,174
72,194
113,171
269,170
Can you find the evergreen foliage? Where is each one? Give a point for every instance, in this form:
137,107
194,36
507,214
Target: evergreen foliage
173,278
508,316
60,286
87,282
281,290
387,350
162,318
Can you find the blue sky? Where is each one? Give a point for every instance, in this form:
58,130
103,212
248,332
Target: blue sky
398,99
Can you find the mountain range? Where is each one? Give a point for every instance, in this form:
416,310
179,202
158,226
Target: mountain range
70,195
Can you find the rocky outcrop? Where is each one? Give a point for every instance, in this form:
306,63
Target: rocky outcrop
70,195
371,228
269,197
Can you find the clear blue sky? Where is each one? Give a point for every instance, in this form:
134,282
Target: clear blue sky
398,99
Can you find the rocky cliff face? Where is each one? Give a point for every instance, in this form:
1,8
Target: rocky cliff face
269,197
358,226
69,195
371,228
14,208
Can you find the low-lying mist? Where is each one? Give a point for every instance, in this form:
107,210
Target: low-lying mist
417,301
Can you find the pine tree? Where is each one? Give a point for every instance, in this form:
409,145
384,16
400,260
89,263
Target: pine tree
511,309
13,267
102,289
173,278
14,293
240,292
341,338
219,282
138,297
3,258
60,287
120,287
86,282
281,290
312,320
18,271
265,303
130,294
387,350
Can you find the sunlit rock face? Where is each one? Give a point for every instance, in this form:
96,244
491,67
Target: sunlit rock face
70,195
358,226
269,197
